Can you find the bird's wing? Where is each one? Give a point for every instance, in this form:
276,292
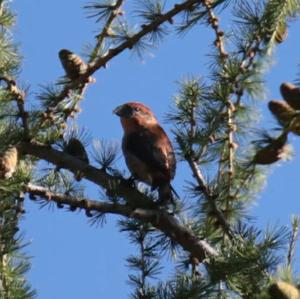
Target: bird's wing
154,148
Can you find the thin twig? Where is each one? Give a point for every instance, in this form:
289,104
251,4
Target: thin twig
293,240
214,22
146,28
210,197
105,32
231,146
245,65
19,97
219,44
202,184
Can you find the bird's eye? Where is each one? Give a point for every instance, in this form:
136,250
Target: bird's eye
136,109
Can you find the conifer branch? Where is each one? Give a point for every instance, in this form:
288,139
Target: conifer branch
80,83
246,63
74,203
231,146
19,97
115,186
106,29
202,184
146,28
219,43
210,197
161,220
4,279
214,22
293,240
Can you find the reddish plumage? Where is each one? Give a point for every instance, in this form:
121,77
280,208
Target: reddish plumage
148,151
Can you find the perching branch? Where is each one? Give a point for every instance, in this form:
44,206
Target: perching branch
115,186
161,220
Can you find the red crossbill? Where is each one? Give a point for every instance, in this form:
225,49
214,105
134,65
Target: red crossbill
148,152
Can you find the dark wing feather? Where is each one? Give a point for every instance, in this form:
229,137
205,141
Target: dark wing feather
154,148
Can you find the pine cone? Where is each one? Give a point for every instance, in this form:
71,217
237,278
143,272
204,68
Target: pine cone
286,116
283,290
281,33
8,163
282,112
276,150
73,65
291,94
76,149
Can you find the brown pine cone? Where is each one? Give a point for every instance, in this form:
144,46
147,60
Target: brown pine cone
73,65
291,94
8,163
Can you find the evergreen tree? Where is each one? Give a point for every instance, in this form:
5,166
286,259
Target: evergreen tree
219,252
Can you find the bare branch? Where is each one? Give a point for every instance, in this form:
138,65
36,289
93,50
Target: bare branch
158,218
214,22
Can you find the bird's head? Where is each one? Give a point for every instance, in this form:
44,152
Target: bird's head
135,115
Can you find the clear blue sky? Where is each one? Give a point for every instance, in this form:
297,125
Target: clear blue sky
71,259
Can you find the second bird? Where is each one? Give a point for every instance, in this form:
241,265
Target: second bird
148,152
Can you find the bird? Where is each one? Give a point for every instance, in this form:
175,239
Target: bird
148,151
73,65
75,148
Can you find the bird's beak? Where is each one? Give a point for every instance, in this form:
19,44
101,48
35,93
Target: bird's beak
118,110
123,111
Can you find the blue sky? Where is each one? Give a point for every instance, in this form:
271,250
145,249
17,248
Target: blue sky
71,259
